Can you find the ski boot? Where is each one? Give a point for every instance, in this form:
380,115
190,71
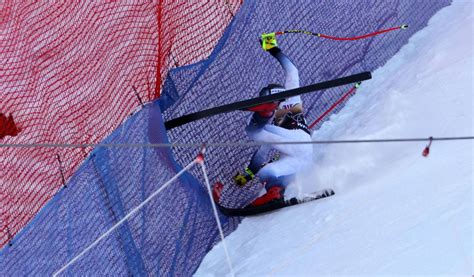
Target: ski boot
269,41
217,191
274,194
243,178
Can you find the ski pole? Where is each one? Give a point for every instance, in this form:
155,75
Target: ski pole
404,26
333,106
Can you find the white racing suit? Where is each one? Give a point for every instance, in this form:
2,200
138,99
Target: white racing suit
293,157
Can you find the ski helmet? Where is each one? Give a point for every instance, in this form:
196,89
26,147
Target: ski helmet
271,89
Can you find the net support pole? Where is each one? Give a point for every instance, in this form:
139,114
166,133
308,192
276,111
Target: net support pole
200,160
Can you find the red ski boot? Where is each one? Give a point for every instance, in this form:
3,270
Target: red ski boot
273,194
216,191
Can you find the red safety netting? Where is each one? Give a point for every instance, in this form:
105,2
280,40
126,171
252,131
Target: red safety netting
71,72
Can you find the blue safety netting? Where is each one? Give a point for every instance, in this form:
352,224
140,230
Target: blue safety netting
172,233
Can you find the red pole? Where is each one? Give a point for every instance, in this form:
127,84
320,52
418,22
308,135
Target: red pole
341,38
333,106
361,37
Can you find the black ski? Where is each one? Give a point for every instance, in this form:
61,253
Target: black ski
244,105
250,210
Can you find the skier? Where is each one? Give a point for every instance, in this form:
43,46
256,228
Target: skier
288,124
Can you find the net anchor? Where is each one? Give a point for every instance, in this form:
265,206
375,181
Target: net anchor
200,156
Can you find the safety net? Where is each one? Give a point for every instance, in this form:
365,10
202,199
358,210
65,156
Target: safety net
72,72
75,73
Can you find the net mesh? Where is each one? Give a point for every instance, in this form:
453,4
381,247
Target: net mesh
72,72
71,75
169,235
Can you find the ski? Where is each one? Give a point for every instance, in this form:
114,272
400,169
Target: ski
244,105
256,210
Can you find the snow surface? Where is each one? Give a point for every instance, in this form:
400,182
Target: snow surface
395,212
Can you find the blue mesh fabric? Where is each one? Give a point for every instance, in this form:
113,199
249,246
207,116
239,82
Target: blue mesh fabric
171,235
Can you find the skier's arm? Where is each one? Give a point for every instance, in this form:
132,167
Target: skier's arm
292,79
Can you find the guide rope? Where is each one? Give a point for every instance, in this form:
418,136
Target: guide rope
132,212
226,144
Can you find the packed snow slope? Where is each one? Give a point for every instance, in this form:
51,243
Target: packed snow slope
395,212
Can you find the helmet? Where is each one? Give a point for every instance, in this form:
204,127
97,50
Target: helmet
294,121
271,89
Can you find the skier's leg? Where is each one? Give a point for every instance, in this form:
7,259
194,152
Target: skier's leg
275,177
259,158
279,173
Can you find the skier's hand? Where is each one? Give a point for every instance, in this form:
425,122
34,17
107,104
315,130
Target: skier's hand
268,41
